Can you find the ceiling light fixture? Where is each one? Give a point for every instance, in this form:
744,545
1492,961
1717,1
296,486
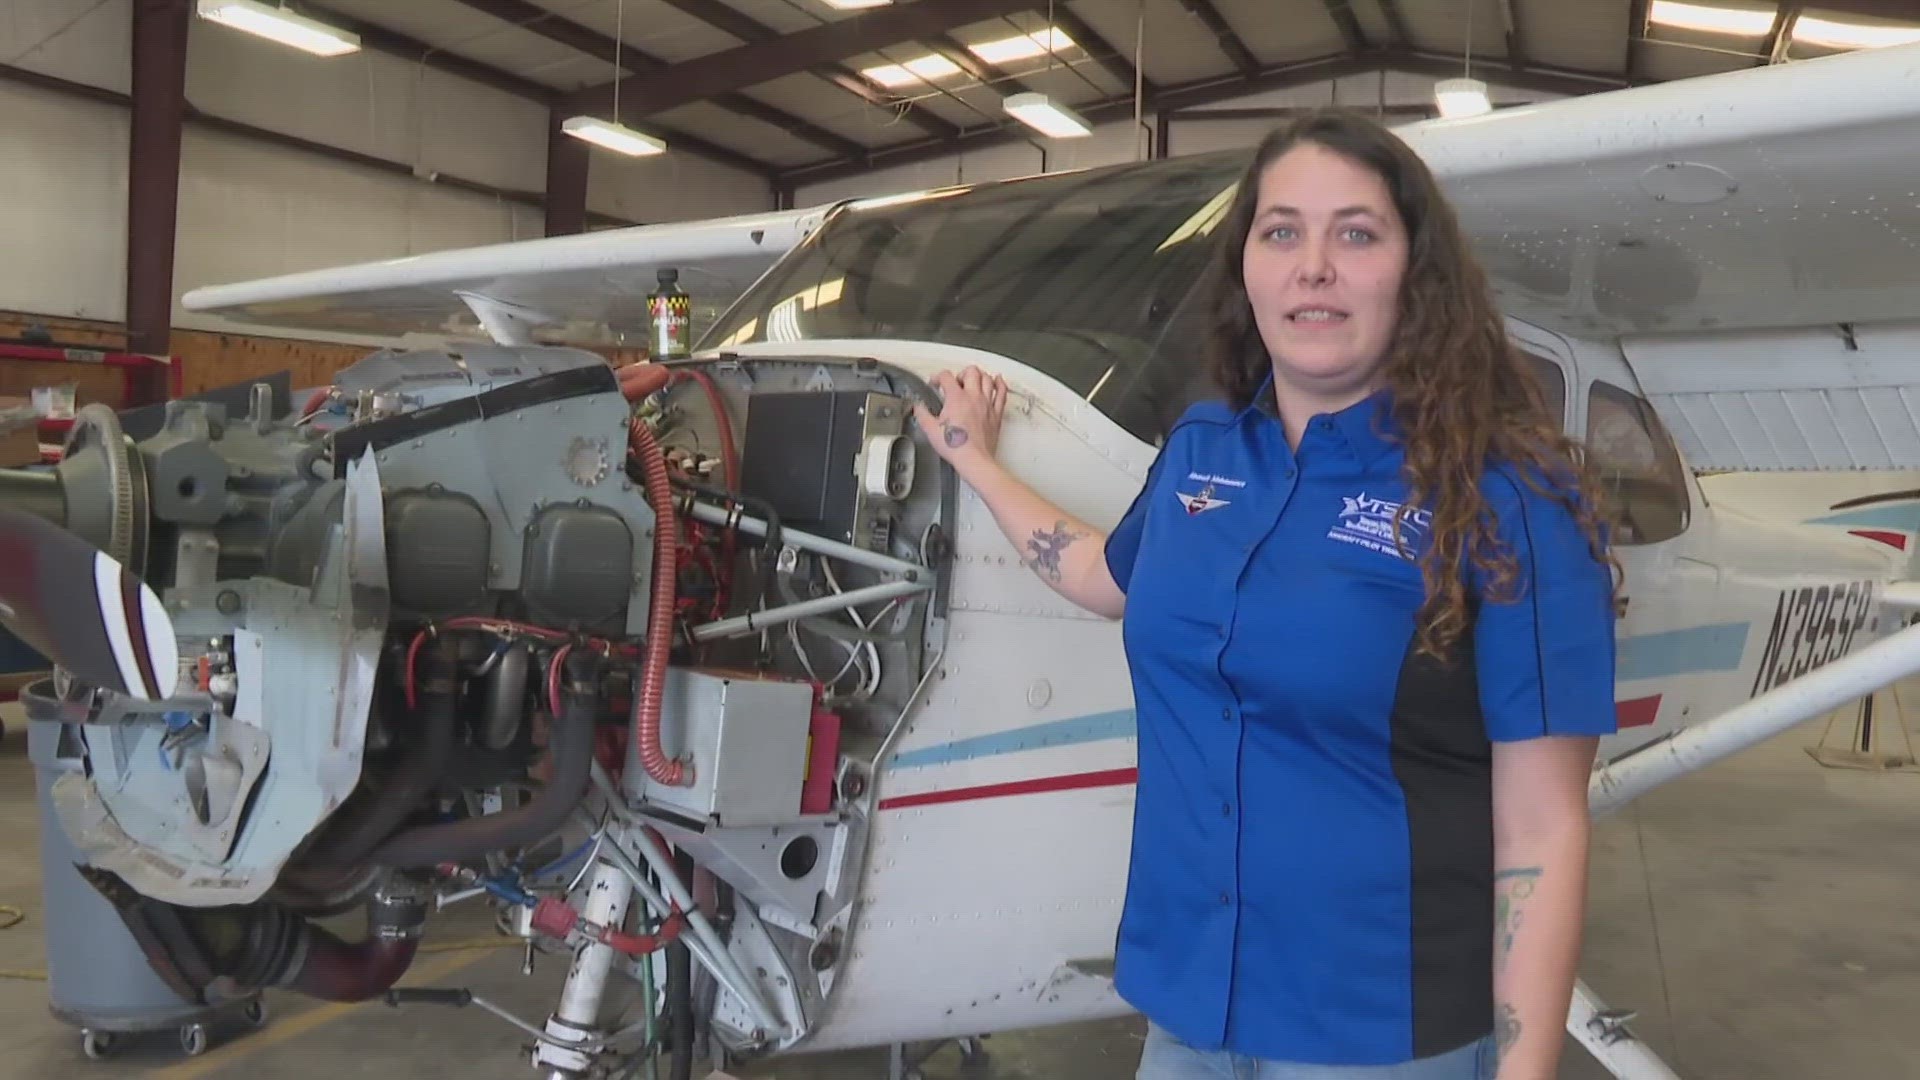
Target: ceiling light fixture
616,137
920,69
1848,35
1461,97
855,5
281,25
1022,47
1751,22
1039,112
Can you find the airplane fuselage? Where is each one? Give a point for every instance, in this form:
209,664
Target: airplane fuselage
999,850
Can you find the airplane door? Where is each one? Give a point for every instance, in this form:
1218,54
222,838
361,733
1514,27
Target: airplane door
1670,646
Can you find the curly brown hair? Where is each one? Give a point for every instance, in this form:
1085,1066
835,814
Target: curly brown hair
1462,400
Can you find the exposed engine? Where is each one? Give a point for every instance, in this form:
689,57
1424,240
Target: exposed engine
611,651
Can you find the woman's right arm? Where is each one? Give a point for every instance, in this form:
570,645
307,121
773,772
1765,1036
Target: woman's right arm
1065,552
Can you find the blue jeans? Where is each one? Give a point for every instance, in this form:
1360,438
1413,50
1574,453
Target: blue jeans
1167,1058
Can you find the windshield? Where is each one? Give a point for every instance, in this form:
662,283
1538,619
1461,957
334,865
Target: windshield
1084,276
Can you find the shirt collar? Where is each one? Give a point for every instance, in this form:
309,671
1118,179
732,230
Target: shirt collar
1366,427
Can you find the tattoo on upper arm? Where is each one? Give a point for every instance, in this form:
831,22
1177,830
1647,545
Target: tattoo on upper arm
1046,548
1511,888
955,435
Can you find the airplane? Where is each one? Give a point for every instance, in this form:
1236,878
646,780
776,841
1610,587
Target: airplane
833,769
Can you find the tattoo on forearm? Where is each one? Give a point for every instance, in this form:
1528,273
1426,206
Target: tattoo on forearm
1511,888
955,435
1046,548
1506,1028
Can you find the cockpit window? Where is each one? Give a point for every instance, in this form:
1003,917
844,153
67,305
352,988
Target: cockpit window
1085,276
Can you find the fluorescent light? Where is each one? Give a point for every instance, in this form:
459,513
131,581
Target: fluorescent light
280,25
923,68
1007,50
617,137
1844,35
1461,97
1747,21
854,5
1038,112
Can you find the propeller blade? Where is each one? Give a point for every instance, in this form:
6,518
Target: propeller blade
81,609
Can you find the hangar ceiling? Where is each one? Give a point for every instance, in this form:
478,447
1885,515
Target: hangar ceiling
804,90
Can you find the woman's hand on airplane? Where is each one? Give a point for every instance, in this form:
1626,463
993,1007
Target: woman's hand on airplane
971,405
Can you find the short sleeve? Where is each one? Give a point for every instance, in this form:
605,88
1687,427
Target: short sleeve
1123,542
1545,648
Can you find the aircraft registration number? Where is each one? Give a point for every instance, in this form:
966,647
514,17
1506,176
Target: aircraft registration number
1813,625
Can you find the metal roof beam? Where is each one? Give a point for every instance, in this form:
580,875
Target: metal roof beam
394,43
535,19
764,61
1223,35
1348,22
751,30
1184,95
1100,50
1206,91
1397,23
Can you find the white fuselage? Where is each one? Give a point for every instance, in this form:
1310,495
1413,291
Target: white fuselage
1000,850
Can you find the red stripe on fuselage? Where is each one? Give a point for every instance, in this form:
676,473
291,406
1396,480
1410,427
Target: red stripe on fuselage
1109,778
1639,712
1891,539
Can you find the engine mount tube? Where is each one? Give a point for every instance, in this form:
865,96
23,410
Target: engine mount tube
572,748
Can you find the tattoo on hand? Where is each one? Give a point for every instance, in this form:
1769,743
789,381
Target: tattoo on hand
1046,548
1506,1028
1511,889
955,435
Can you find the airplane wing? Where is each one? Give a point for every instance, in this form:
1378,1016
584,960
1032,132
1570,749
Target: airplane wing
1752,240
597,278
1772,196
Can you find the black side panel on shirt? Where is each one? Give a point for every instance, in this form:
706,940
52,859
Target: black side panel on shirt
1443,760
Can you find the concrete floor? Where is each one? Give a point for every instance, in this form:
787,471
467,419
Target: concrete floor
1757,915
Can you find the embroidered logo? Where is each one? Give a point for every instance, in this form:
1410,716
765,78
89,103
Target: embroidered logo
1205,499
1369,522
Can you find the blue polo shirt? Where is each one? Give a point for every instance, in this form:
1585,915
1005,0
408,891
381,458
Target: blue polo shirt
1312,870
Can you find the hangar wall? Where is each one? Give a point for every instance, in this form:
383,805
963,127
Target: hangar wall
249,208
1191,132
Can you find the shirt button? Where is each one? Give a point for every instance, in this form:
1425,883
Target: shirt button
1225,900
1226,714
1226,809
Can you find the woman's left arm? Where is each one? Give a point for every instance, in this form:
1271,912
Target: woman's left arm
1545,657
1540,831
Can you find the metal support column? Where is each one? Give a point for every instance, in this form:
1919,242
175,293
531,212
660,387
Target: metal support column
153,181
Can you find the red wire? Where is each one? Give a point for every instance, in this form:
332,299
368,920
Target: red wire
553,678
413,651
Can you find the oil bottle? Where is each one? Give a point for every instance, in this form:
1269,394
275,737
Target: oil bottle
670,311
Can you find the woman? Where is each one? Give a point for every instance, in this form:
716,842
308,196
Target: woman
1369,623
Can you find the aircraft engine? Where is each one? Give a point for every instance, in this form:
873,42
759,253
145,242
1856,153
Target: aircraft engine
488,621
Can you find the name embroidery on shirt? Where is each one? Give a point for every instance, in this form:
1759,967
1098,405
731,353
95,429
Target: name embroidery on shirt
1205,499
1368,522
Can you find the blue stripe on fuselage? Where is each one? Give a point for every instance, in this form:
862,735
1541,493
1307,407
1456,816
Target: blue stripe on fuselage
1667,653
1645,656
1096,727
